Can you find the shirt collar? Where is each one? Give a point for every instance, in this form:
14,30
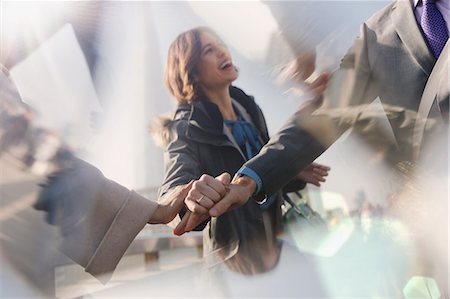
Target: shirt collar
414,3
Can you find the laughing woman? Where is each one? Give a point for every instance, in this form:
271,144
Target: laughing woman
215,129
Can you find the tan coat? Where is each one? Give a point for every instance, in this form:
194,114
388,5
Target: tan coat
97,217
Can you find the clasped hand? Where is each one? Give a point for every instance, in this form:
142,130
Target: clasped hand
211,197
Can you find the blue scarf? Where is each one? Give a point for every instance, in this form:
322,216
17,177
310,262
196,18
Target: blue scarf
246,136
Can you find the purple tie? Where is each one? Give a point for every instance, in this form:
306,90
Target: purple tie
434,27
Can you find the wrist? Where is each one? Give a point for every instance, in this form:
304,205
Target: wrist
247,183
247,172
155,217
161,215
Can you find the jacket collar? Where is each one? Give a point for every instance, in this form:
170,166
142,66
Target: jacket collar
409,32
205,122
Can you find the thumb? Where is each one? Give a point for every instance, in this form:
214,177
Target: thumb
181,227
224,178
194,220
189,222
174,200
185,190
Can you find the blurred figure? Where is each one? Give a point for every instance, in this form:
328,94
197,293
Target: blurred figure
215,129
15,116
14,128
97,218
27,243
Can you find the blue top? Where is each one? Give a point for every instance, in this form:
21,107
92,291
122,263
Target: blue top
246,136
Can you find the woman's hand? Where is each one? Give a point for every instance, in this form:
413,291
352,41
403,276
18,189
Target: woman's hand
314,174
237,194
206,192
170,204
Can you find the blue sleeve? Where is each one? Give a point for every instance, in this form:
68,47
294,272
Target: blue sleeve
247,171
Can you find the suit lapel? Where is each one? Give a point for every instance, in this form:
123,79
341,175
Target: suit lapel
428,101
409,32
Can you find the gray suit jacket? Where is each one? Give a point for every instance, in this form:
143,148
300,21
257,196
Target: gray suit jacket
431,146
390,60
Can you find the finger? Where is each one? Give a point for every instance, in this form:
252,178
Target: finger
319,173
201,198
205,202
186,188
222,206
177,196
210,193
320,166
216,185
195,195
321,80
319,85
314,182
224,178
195,207
194,220
181,227
327,168
319,178
211,187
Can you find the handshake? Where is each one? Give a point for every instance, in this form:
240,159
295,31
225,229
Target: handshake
79,188
212,197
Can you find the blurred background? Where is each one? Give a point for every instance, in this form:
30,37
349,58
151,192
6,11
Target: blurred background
109,57
90,74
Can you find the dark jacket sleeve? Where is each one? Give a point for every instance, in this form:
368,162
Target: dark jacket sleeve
181,159
288,152
293,185
307,133
181,162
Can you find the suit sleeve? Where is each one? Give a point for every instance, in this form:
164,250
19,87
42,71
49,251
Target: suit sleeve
357,85
307,134
287,152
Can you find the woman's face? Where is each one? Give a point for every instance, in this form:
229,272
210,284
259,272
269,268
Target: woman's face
215,68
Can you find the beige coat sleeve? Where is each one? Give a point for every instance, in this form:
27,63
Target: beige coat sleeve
98,218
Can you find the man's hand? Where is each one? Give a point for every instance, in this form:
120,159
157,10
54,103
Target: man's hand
318,85
299,69
314,174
